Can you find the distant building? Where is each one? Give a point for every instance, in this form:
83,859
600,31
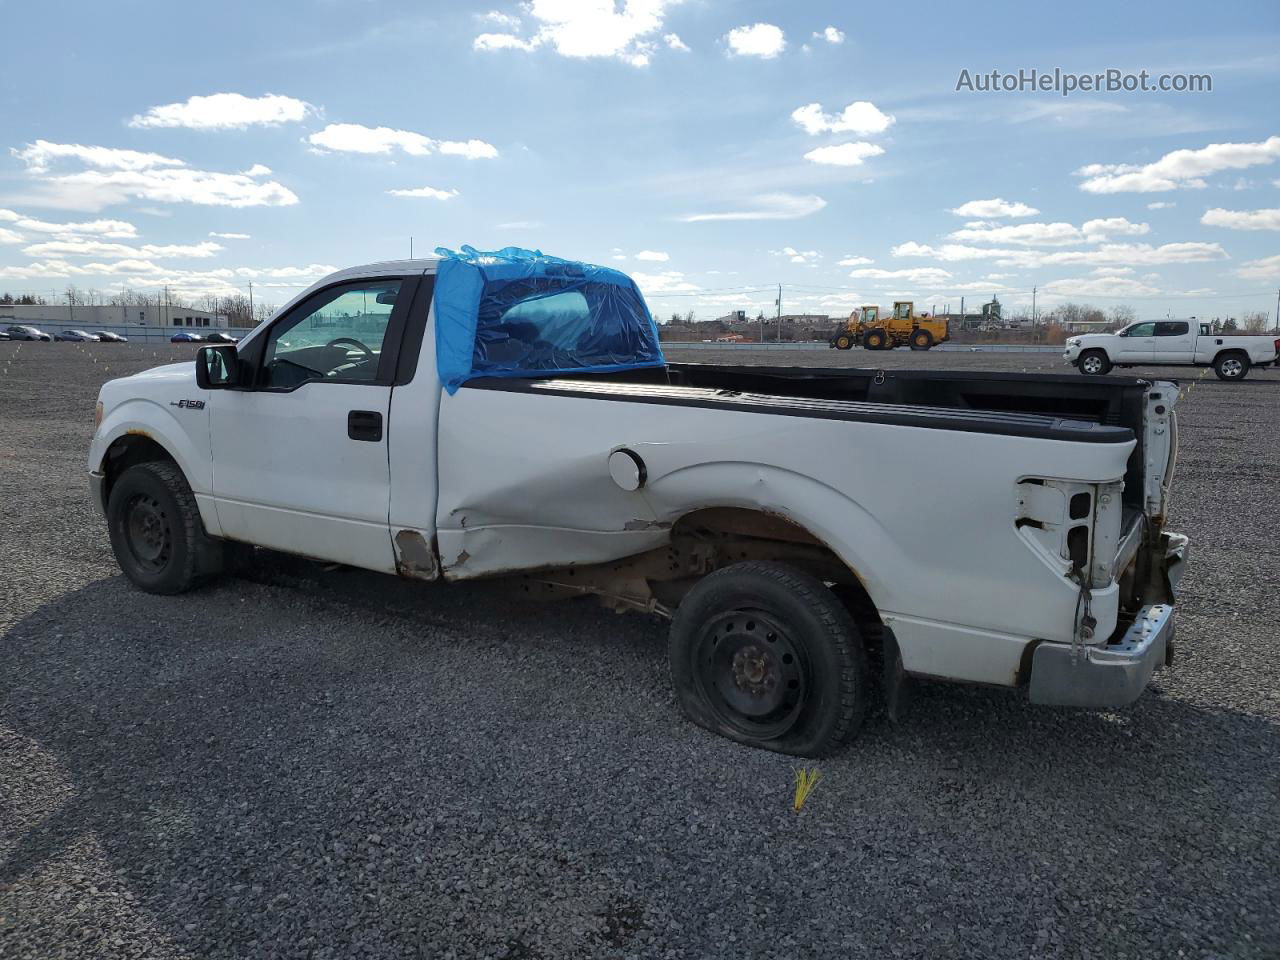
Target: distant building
810,318
62,316
733,316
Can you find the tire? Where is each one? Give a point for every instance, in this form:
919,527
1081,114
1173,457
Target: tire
155,530
844,342
1094,363
767,656
875,340
1231,366
921,340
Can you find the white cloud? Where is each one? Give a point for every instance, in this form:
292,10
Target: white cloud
758,40
1029,234
519,225
655,256
357,138
430,193
258,170
587,28
1181,169
1116,253
675,43
1096,231
501,19
42,155
999,207
1242,219
486,42
1161,205
8,236
669,281
116,176
798,256
113,229
854,261
225,111
768,206
1268,268
1112,271
860,117
120,251
230,236
924,275
850,154
831,35
1101,287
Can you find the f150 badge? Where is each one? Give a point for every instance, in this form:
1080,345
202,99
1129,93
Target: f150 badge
188,404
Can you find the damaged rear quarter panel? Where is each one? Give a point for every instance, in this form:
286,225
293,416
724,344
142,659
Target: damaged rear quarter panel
926,516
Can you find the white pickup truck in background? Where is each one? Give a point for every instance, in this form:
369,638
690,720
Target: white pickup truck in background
1151,343
782,518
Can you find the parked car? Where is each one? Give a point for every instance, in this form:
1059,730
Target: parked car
106,336
1157,343
775,515
24,332
183,336
219,337
76,336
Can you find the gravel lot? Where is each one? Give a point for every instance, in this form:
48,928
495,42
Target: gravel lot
316,763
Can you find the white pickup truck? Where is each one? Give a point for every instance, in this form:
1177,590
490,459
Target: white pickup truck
1152,343
813,534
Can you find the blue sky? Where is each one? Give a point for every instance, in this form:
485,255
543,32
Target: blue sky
709,149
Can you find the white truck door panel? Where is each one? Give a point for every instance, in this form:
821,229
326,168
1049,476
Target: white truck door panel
1175,341
288,476
1138,345
300,457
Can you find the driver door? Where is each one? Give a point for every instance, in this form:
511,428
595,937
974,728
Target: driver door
1137,344
300,455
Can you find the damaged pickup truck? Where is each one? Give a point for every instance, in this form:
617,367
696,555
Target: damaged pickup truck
810,533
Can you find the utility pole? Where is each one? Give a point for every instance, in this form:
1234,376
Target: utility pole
778,336
251,318
1033,306
411,248
1278,311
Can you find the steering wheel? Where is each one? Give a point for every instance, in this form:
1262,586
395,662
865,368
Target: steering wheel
352,341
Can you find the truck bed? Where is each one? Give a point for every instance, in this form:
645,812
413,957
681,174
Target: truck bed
1048,406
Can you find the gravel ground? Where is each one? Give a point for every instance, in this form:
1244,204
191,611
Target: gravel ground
315,763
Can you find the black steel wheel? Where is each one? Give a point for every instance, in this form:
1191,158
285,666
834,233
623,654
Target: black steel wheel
766,655
155,529
875,340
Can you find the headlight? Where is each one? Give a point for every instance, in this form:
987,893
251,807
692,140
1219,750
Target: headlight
97,415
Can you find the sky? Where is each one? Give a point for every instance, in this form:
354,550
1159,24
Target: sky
712,150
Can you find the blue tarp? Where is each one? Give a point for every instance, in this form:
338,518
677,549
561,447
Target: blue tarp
521,313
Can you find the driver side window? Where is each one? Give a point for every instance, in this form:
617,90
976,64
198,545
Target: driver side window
336,338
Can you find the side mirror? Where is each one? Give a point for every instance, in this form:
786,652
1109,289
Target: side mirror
217,367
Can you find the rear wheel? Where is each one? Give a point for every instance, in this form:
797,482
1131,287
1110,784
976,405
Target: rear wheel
844,342
921,340
766,655
1231,366
1094,363
155,529
875,340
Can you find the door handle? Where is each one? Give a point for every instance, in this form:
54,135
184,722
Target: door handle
364,425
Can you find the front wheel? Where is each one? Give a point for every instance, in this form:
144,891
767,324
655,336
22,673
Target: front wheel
921,340
155,529
766,655
875,340
1094,363
1231,366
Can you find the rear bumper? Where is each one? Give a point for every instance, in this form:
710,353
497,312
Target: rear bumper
1100,677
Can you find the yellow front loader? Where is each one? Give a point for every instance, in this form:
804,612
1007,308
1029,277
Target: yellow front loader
868,326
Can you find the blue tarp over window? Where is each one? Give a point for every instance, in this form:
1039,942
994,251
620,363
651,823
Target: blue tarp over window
521,313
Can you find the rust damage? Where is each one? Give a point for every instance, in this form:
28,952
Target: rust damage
414,556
